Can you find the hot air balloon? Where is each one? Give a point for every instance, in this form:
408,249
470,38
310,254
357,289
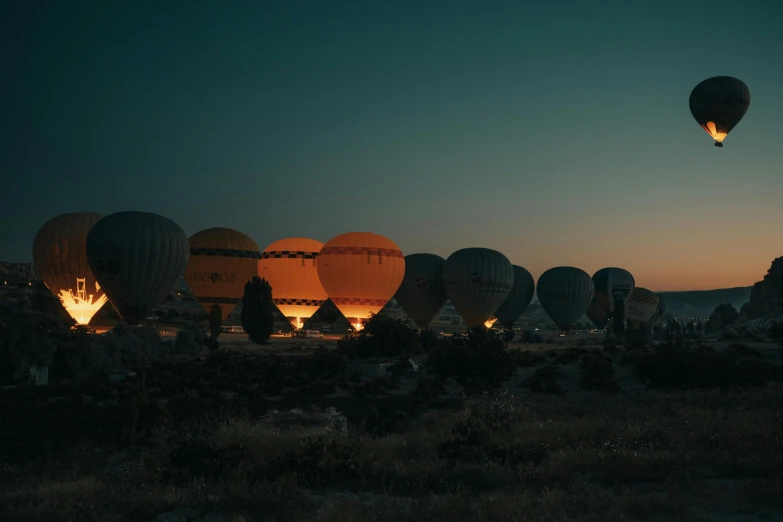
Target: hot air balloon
612,288
360,272
290,268
60,258
565,293
718,104
597,314
221,261
641,306
477,281
659,311
421,294
137,258
519,298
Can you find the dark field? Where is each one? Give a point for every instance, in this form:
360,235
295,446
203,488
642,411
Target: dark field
566,436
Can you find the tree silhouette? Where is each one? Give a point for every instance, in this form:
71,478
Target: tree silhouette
258,310
215,323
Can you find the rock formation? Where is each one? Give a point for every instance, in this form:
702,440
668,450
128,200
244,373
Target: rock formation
766,297
723,316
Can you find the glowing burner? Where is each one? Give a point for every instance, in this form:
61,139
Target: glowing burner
358,326
713,131
489,322
81,306
296,322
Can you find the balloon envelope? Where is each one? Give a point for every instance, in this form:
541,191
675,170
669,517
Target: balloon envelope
421,294
518,299
641,306
613,286
360,272
718,104
221,261
137,258
565,293
60,258
597,314
660,311
477,281
290,266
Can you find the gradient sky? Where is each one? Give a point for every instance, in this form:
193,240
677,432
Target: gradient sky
557,132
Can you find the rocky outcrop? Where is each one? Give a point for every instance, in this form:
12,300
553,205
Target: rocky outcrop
766,296
724,315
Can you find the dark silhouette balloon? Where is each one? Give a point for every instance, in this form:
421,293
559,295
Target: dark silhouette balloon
60,258
421,294
565,293
718,104
477,281
597,314
519,298
137,258
613,286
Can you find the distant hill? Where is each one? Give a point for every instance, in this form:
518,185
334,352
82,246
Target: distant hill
701,303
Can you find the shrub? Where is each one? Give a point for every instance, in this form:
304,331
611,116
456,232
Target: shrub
598,372
544,380
675,365
382,336
480,362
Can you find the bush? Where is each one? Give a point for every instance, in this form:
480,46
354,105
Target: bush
480,362
382,336
544,380
675,365
190,340
598,372
172,314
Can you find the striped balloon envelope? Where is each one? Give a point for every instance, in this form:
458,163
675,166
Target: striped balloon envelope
360,272
222,261
137,258
290,268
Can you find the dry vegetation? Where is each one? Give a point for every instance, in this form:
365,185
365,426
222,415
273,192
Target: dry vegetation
573,434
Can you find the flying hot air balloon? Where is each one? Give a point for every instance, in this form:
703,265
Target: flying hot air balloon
290,268
641,306
718,104
421,294
221,261
565,293
477,281
360,272
519,298
60,258
137,258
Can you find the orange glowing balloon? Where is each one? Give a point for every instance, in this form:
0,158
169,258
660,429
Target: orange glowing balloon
360,272
289,266
60,257
221,261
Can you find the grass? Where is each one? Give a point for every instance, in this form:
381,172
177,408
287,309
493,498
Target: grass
430,454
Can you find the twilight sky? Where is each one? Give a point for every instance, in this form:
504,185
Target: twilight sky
555,132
